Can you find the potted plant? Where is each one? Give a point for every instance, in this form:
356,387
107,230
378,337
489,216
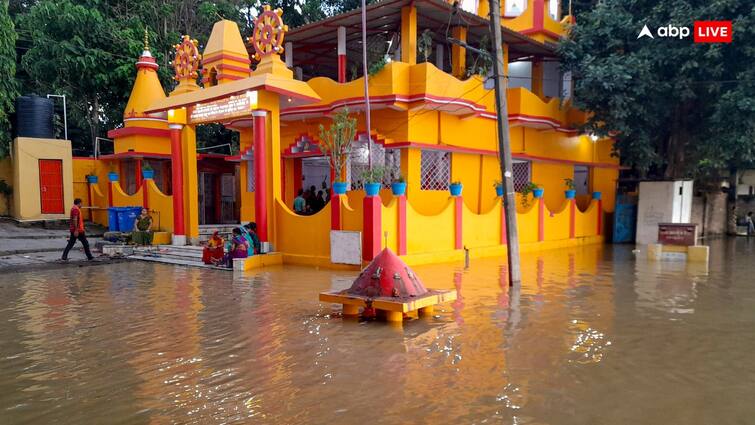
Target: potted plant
570,191
92,178
398,186
147,171
112,175
532,188
455,188
373,180
335,142
498,185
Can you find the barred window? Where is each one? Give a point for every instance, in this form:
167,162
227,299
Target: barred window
382,157
435,170
522,172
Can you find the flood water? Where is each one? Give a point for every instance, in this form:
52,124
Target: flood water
593,336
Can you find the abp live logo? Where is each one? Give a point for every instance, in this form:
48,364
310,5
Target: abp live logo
713,32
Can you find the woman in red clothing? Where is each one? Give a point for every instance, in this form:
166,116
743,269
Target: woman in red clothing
213,252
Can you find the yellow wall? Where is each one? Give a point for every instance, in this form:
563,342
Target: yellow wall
553,153
26,195
430,233
303,239
160,206
551,177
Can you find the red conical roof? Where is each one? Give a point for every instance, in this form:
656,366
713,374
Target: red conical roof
387,276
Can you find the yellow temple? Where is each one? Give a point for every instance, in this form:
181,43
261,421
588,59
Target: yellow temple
432,122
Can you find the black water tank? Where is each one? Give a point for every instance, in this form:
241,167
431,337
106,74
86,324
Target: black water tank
34,117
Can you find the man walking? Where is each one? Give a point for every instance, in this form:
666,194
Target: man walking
76,227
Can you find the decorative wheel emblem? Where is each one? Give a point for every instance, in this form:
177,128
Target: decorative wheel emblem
267,36
187,59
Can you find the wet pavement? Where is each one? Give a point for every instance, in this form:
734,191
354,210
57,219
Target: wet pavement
593,336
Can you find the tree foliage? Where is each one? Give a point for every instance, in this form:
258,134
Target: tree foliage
8,87
676,108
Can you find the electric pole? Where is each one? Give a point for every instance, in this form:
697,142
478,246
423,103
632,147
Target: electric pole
504,148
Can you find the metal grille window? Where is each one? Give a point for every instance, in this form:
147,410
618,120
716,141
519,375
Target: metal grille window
435,170
522,171
381,157
392,166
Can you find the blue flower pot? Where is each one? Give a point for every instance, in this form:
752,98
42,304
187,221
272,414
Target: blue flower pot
112,176
499,190
597,195
570,194
538,193
372,189
455,189
148,174
339,188
92,179
398,188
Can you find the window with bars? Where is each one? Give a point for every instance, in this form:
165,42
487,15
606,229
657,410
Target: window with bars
435,170
382,157
522,171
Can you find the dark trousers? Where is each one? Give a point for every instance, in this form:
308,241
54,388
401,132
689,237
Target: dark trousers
72,241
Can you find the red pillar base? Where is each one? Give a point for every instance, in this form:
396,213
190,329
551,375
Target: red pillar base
401,225
458,222
335,212
145,194
572,218
372,226
540,219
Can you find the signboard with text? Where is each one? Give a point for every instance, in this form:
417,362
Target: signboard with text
684,234
223,109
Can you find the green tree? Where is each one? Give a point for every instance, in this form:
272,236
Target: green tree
8,87
675,108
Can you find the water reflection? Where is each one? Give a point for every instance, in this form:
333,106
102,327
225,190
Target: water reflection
593,335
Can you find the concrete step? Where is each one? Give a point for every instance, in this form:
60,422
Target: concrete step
212,228
174,251
170,256
176,261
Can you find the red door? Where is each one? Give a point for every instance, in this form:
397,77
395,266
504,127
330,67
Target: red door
51,186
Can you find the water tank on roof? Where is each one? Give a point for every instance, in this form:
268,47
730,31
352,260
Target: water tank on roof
34,117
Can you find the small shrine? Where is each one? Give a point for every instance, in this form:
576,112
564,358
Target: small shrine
388,288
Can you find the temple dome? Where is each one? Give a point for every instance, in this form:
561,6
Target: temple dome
146,89
387,276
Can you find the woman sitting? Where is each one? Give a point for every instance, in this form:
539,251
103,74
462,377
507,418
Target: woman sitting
213,251
142,233
238,248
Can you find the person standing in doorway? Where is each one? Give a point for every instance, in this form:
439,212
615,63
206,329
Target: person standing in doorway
326,191
76,226
300,204
750,224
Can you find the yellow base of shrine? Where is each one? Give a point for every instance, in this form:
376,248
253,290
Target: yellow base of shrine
393,309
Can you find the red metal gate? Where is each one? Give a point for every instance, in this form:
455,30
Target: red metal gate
51,186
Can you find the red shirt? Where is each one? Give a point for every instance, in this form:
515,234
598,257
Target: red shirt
77,221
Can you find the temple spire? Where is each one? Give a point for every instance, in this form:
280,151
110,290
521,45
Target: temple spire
146,39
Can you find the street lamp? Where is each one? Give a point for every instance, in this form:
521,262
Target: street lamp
65,114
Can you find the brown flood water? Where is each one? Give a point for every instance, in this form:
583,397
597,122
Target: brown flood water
594,336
